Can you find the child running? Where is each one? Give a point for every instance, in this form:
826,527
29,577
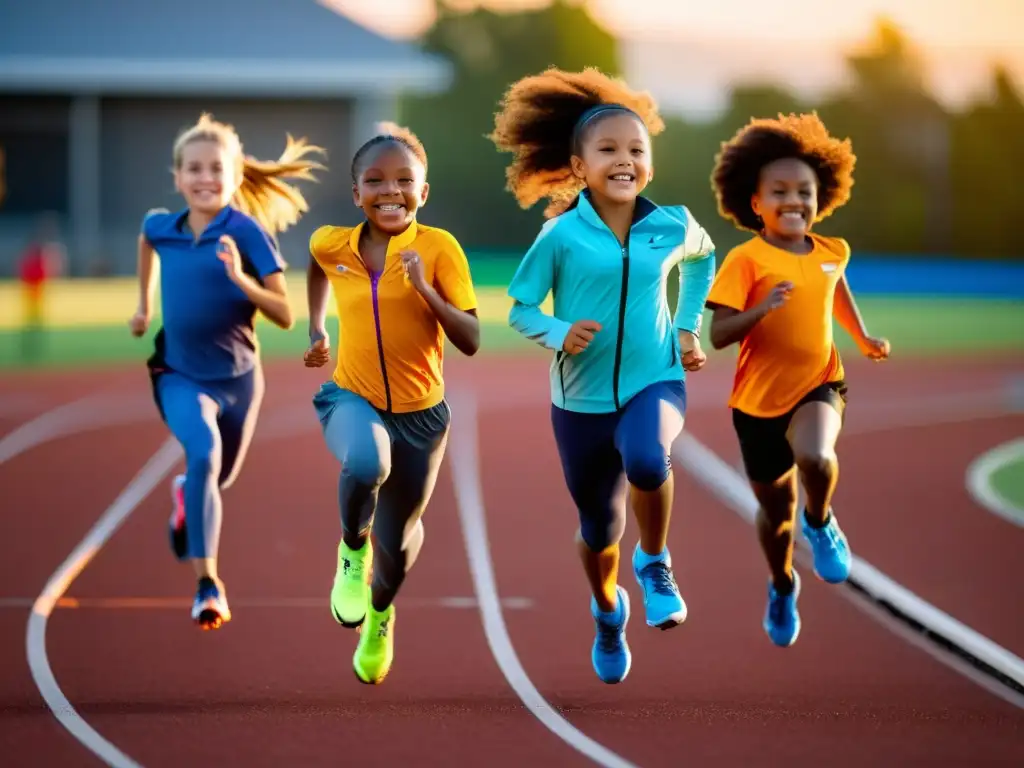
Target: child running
219,266
582,140
400,288
776,295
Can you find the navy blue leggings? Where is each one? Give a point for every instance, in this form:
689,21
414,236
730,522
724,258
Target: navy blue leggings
603,452
214,421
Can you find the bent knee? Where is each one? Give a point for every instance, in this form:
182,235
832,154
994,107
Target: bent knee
370,470
776,501
599,532
648,470
817,462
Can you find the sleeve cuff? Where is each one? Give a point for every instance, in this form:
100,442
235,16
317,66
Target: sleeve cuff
555,338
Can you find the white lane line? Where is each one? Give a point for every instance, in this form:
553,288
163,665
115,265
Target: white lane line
465,466
981,488
90,412
155,470
79,416
95,412
731,487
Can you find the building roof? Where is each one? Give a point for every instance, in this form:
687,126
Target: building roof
229,47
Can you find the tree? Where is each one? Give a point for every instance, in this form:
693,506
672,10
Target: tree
900,134
986,158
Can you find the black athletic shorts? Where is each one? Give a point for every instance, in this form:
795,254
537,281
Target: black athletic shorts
767,455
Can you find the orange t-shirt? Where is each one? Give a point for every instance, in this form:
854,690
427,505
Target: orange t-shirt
391,345
791,350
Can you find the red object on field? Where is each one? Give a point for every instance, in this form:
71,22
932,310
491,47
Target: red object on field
33,266
40,262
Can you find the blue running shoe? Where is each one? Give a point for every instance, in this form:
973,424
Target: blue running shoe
610,655
781,619
832,557
662,602
210,607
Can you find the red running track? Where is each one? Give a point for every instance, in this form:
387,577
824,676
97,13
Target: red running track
276,685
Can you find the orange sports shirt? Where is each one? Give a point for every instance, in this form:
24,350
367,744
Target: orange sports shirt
791,350
391,346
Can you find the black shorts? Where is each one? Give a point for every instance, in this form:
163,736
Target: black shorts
766,452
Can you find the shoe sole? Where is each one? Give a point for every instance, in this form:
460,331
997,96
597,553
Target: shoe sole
364,681
347,624
785,645
673,620
832,581
211,618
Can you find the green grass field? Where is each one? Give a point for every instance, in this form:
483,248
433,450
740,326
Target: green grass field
1008,482
914,326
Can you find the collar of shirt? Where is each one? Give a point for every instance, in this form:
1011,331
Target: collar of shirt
396,244
586,211
213,231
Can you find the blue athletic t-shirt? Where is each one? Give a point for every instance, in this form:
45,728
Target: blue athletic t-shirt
208,321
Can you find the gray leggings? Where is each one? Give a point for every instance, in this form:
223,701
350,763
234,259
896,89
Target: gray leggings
389,466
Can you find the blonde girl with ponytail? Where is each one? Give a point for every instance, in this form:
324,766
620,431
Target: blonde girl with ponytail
219,266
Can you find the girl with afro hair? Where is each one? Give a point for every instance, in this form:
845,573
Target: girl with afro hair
583,141
775,295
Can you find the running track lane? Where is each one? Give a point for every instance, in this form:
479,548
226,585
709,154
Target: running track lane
940,543
52,495
513,367
276,684
715,688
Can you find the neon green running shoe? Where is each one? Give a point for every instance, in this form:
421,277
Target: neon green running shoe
376,649
351,592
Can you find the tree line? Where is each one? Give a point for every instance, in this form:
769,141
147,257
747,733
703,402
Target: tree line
928,181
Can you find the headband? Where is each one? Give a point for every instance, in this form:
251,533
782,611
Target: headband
593,112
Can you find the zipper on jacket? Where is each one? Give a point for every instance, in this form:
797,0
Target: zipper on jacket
560,361
374,280
622,320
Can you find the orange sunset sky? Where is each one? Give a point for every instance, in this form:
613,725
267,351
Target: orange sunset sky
689,53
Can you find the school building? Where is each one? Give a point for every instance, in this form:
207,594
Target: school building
93,94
